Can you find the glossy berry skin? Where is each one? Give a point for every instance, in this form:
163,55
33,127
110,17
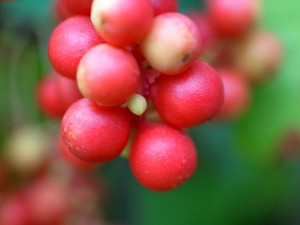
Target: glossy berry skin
189,98
122,22
232,18
164,6
108,75
70,40
162,158
237,94
95,133
55,94
172,44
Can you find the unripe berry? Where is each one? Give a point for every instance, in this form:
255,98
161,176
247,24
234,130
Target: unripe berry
70,40
172,44
108,75
162,158
122,22
189,98
258,56
236,94
55,94
95,133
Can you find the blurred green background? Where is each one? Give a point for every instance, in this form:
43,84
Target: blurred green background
249,169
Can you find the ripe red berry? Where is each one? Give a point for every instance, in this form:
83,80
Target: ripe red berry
70,40
60,10
172,44
162,158
122,22
189,98
71,158
108,75
232,18
236,94
95,133
164,6
55,94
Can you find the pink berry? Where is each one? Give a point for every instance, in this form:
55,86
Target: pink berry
236,94
108,75
70,40
55,94
189,98
95,133
122,22
162,158
172,44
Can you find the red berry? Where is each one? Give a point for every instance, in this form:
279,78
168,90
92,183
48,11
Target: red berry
236,94
80,7
55,94
189,98
122,22
164,6
95,133
70,40
71,158
108,75
61,10
162,158
47,202
232,18
172,44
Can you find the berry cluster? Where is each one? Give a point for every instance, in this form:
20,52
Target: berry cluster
38,188
139,72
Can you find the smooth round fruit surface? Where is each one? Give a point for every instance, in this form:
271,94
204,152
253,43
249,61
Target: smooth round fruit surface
162,158
164,6
122,22
70,40
189,98
108,75
172,44
232,18
55,94
95,133
236,94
